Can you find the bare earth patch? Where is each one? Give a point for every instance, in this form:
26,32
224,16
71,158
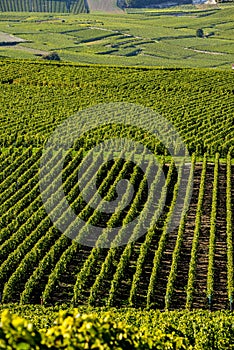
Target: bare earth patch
9,38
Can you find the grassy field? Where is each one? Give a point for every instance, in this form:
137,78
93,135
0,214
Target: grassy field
146,37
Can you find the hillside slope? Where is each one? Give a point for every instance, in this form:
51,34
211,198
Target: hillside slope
163,268
63,6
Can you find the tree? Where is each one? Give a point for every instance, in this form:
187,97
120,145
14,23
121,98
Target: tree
200,33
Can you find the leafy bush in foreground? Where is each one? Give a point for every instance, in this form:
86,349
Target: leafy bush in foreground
45,328
75,331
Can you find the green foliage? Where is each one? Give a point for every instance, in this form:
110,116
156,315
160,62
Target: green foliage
114,329
73,330
198,102
200,33
53,56
18,333
37,263
83,331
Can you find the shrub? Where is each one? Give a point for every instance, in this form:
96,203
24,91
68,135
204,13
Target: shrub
200,33
72,330
53,56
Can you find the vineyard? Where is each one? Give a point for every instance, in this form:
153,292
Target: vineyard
140,37
59,6
190,266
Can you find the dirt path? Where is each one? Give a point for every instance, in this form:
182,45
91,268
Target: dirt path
179,297
220,299
27,49
205,51
9,38
199,300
